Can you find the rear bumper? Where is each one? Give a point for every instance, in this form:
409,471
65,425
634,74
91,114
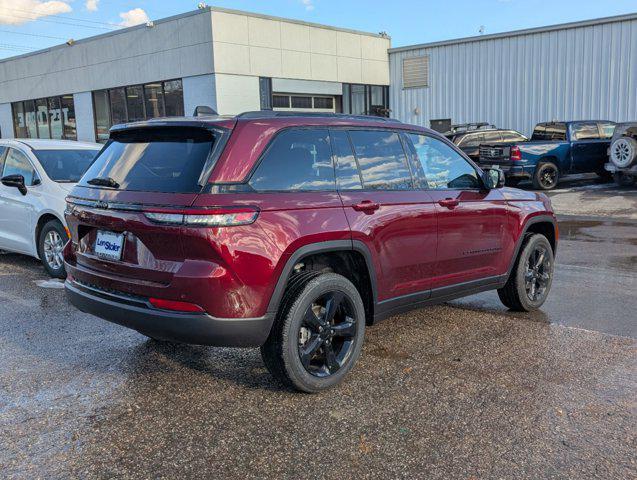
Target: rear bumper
510,171
198,329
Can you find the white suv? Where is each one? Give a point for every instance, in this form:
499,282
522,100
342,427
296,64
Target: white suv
36,176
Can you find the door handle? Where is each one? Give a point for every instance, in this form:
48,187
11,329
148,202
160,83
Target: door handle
450,203
366,206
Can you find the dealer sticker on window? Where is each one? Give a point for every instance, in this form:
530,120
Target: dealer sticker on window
108,245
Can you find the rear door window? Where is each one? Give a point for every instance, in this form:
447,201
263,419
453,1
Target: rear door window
492,137
167,160
296,160
382,160
347,174
584,131
549,132
607,130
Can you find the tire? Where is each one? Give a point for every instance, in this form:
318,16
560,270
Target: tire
546,176
51,242
517,293
623,152
624,180
304,310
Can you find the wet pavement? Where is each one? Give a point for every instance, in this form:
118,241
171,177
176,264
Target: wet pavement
466,390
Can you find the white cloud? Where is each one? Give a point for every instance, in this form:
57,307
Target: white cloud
17,12
309,4
91,5
133,17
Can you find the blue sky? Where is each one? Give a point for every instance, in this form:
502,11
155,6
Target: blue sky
26,25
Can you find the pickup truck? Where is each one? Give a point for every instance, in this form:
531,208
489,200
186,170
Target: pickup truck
554,150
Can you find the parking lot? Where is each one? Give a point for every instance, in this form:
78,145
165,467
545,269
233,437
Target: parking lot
461,390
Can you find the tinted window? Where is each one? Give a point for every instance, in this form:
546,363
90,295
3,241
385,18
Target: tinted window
607,129
301,102
492,137
280,101
42,116
347,175
68,117
323,102
17,163
65,165
381,159
549,131
472,140
174,98
584,131
55,117
118,105
443,167
135,103
156,160
298,159
513,137
154,96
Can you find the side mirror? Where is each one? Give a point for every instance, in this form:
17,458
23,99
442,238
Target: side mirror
493,178
16,181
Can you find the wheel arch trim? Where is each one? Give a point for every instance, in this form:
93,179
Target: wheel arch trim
321,247
529,222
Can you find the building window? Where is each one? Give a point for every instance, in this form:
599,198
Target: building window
282,101
52,117
366,99
136,102
301,102
324,102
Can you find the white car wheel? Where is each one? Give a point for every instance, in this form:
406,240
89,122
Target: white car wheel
623,152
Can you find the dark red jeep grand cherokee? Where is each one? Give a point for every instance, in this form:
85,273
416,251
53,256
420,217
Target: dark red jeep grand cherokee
293,232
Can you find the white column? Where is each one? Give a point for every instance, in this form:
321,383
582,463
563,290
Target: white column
6,121
237,93
199,90
84,116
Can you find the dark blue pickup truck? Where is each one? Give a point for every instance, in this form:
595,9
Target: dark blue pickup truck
555,149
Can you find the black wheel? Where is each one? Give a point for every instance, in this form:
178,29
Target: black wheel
624,180
51,243
546,176
318,334
530,281
512,182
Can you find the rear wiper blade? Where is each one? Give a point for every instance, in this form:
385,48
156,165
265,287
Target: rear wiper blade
103,182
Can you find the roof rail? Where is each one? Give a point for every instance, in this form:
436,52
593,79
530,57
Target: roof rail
470,127
345,116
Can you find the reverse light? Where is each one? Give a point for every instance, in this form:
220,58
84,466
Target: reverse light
214,217
516,155
175,305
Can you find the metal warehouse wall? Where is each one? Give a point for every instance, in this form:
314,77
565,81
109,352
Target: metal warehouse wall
567,72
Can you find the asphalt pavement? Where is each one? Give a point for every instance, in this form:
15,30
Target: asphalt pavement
465,390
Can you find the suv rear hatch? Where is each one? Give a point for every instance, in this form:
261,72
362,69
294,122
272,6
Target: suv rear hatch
142,175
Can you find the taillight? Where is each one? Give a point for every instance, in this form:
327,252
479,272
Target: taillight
213,217
175,305
515,155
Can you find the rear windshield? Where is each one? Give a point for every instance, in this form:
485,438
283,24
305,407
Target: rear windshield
65,165
167,160
549,131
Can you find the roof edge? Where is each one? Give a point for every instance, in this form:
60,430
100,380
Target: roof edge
515,33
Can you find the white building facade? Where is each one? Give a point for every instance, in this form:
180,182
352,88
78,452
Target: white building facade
228,60
577,71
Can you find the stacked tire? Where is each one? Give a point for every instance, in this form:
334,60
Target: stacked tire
623,154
